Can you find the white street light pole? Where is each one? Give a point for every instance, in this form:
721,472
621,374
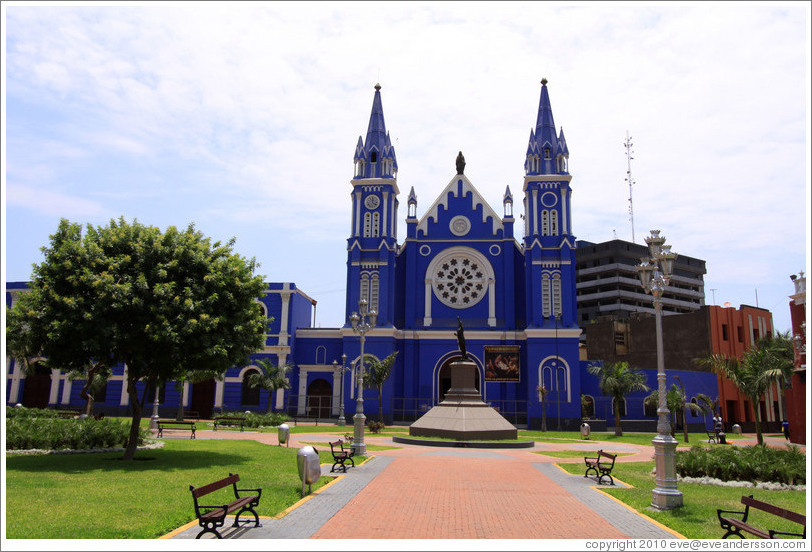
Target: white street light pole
655,274
361,324
153,422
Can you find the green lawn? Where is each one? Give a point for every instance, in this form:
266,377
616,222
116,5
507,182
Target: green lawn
697,518
100,497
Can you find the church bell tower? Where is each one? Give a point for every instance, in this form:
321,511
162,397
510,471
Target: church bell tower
372,245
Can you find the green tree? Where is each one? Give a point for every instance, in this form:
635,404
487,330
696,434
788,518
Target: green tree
618,379
162,303
675,400
377,372
769,360
271,378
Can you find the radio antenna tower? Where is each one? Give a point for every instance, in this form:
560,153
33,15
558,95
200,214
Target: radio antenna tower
628,145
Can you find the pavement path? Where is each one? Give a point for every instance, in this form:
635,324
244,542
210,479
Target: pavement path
420,492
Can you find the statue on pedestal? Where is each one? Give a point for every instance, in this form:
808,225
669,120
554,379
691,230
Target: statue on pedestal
460,333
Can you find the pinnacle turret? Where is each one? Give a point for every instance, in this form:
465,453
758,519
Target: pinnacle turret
547,152
375,156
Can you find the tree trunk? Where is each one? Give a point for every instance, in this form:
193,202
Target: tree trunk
618,428
757,412
270,400
179,416
380,403
684,424
132,442
544,414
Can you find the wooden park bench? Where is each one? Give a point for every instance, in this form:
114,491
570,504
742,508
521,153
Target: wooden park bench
598,464
341,456
734,526
229,421
213,516
174,424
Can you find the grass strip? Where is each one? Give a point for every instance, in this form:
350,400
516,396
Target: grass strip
697,518
145,498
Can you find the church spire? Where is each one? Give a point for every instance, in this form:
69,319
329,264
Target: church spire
546,151
375,156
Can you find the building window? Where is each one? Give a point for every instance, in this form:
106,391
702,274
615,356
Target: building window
250,395
740,333
587,406
373,293
724,332
553,223
376,224
545,222
367,225
546,305
649,409
556,294
364,291
546,153
622,407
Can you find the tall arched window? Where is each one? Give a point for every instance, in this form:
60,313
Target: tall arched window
376,224
556,294
367,225
364,291
546,305
545,222
373,293
250,395
553,222
587,406
622,407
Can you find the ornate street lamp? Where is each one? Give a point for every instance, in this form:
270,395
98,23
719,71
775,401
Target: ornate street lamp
362,322
341,370
655,274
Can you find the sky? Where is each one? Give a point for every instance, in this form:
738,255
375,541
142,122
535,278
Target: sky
243,119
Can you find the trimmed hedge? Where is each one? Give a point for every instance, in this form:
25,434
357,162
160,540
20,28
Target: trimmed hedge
253,419
33,428
752,464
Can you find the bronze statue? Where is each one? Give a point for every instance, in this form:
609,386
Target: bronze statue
460,163
461,339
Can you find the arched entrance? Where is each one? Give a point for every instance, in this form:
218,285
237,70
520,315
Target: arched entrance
37,388
202,400
444,378
319,398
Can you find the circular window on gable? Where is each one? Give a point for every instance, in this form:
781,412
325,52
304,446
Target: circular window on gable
460,225
460,280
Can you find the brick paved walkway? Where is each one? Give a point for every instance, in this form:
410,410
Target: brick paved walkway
417,492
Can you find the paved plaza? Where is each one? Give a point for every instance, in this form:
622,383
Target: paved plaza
423,492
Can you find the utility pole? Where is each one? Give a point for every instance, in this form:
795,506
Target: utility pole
628,145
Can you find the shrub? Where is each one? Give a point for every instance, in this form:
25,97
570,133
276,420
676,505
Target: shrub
19,412
254,419
24,432
375,426
754,463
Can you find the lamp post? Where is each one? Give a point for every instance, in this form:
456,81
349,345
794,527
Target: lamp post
153,421
655,274
557,378
341,370
362,322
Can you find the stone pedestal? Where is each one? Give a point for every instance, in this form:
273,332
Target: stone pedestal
462,414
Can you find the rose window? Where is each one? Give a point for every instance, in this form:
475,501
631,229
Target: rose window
459,281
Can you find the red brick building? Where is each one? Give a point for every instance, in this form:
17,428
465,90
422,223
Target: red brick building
796,397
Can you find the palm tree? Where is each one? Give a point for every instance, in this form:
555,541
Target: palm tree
675,401
543,392
377,372
271,378
709,405
617,380
769,359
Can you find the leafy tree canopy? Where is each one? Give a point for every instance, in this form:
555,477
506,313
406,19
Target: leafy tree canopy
163,303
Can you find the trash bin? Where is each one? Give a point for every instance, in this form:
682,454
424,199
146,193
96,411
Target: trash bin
721,437
284,434
737,429
307,460
584,430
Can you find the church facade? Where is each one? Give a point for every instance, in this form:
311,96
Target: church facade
461,262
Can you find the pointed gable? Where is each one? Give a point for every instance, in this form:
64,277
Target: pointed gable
477,210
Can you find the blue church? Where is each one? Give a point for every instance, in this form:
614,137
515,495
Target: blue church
460,262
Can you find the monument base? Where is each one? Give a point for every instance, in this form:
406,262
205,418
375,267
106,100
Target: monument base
462,414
